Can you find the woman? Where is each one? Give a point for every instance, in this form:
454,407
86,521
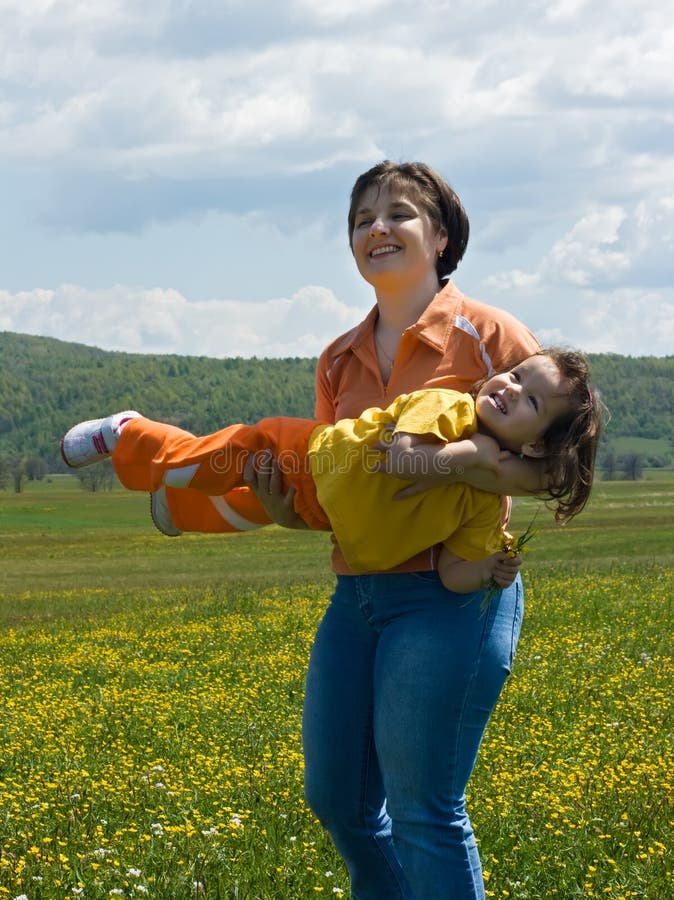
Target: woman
404,674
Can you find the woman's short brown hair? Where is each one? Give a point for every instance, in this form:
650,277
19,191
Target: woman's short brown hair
435,196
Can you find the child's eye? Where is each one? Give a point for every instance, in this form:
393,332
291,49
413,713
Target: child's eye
517,377
363,222
534,402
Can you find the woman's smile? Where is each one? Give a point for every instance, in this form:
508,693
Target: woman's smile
384,250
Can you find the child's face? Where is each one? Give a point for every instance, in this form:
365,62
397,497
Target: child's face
517,407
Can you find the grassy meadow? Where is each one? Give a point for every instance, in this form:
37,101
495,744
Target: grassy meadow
152,693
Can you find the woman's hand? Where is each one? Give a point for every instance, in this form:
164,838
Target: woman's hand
263,476
426,463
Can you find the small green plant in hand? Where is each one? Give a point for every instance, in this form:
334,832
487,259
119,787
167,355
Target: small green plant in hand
512,546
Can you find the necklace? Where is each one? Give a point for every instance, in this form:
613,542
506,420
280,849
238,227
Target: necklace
389,360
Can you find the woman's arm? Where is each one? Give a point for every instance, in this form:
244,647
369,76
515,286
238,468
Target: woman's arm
262,474
463,576
476,460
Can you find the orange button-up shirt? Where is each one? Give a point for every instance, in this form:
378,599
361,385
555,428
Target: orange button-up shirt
455,342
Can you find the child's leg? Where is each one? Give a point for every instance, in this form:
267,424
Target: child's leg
200,479
201,476
191,510
150,454
144,454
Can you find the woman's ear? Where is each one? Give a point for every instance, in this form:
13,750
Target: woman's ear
535,449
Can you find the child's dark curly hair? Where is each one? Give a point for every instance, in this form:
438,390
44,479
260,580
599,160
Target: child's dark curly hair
571,442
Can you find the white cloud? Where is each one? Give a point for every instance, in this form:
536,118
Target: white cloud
587,253
329,12
551,118
640,323
632,322
163,110
163,321
563,10
514,280
598,281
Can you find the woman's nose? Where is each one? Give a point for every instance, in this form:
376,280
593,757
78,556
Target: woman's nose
378,226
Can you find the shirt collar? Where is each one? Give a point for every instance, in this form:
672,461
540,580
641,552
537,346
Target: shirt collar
357,336
433,326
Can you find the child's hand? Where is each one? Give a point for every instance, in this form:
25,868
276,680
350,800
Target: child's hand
504,568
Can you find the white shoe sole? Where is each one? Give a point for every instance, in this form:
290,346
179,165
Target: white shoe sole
161,515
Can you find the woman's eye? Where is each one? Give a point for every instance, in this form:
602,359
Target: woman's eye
516,376
534,402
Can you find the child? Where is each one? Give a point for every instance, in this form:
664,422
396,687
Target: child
542,408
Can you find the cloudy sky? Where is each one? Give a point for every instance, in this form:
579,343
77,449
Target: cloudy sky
174,174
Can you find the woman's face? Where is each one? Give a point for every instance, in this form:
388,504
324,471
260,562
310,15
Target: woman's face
394,241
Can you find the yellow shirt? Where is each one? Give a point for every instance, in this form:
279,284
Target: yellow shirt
455,342
376,532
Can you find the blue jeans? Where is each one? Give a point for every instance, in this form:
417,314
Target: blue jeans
402,680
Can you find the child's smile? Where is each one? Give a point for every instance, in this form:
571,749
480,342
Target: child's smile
517,407
498,403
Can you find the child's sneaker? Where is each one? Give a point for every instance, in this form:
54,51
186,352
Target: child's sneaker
94,440
161,515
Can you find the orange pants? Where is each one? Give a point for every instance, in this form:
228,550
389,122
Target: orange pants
204,475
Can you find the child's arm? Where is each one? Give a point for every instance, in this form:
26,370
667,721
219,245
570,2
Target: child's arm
463,576
476,460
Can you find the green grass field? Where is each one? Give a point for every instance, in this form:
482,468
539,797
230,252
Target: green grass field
657,447
150,729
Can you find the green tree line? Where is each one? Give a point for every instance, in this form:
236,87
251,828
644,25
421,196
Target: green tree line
46,385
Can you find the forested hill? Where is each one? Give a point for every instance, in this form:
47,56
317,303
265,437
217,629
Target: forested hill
46,385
